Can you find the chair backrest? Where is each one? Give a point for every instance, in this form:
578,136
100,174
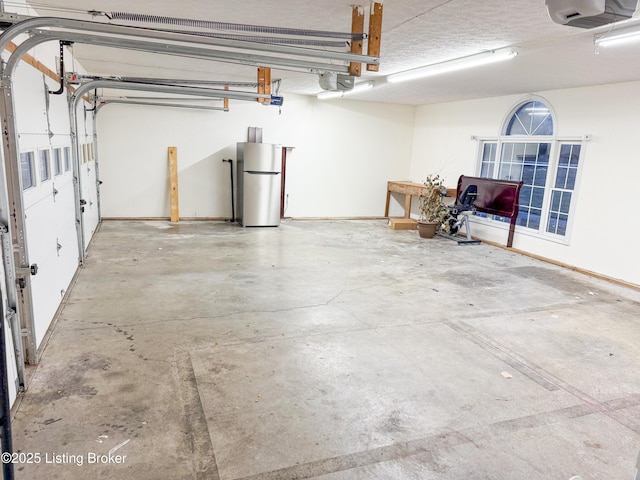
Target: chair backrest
495,197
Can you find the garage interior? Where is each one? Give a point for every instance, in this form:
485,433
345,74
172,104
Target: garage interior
152,331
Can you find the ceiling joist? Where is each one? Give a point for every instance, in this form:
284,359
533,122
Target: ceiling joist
264,83
357,28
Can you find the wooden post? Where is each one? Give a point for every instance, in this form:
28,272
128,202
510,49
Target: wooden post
375,34
357,28
173,183
225,101
264,83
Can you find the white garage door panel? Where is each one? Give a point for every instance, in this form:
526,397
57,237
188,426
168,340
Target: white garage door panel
59,119
66,232
29,95
50,221
41,237
89,194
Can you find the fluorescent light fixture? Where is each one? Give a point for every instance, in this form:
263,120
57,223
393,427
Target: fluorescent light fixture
483,58
537,111
358,87
618,37
330,94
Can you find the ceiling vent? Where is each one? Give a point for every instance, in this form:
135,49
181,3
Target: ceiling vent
590,13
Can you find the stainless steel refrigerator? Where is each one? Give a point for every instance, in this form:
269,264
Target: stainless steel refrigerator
259,184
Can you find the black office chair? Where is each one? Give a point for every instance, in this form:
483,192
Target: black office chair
459,211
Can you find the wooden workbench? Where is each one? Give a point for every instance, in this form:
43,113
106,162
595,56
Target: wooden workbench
410,189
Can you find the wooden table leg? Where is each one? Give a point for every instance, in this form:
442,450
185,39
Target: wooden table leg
407,205
386,208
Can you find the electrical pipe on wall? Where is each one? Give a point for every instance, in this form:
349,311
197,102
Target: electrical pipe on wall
233,206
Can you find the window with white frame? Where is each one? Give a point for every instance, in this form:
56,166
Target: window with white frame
44,164
67,159
57,161
27,170
528,150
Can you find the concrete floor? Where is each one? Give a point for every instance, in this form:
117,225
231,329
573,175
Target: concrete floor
333,350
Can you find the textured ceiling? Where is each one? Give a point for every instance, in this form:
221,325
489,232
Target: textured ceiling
415,33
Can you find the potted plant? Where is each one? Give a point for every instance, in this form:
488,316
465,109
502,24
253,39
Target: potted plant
432,211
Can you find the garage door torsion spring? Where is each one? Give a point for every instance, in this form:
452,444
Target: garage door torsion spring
273,40
187,22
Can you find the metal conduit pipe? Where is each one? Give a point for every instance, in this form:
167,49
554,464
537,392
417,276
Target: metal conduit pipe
157,99
150,103
174,81
173,89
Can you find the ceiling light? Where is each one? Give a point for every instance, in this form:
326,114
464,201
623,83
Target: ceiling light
358,87
483,58
618,37
537,111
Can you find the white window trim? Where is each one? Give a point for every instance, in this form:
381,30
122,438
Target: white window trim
552,171
53,161
33,170
38,165
67,159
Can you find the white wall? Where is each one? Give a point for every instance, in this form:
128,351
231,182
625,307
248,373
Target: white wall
604,234
345,152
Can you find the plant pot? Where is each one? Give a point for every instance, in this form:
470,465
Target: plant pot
427,229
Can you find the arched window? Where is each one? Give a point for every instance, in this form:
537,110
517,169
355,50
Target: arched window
529,151
532,118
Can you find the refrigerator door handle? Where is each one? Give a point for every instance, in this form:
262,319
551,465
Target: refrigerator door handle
253,172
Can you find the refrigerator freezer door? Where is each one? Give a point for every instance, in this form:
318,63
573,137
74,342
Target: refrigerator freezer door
261,199
261,157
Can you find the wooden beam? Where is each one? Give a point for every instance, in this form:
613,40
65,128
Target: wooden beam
357,28
173,183
225,101
375,34
264,83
